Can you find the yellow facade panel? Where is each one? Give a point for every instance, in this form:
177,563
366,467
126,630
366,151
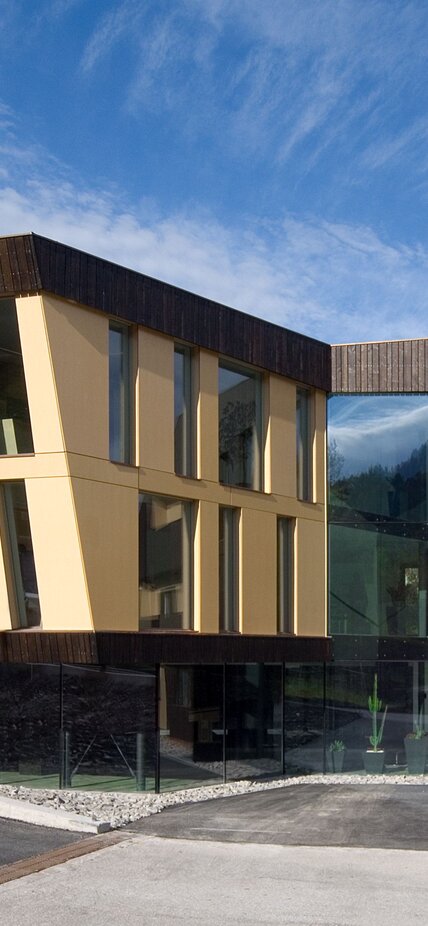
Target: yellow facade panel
107,516
78,340
155,401
60,571
258,568
310,578
39,376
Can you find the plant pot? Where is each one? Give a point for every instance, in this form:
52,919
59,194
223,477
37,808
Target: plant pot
374,761
416,754
335,760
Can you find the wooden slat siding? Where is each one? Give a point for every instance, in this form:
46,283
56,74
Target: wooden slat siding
139,649
382,367
131,296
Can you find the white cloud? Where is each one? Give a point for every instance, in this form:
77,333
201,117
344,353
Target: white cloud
337,282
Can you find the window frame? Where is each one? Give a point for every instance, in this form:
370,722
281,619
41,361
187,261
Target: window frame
124,404
229,569
258,377
285,574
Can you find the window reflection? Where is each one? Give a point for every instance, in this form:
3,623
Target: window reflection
378,473
20,549
239,427
15,427
165,526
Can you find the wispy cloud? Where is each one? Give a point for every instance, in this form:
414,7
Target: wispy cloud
300,72
337,281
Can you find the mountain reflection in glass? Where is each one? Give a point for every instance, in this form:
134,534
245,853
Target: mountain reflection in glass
378,474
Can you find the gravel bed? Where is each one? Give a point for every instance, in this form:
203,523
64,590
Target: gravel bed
118,809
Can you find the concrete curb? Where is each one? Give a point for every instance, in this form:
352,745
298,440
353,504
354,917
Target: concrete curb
25,812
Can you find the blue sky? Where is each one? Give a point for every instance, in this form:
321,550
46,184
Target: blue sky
273,156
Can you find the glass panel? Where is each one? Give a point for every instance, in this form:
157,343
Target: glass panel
401,689
191,726
29,725
240,461
15,427
304,719
183,412
285,575
119,394
21,554
228,569
304,444
378,476
108,729
166,540
253,720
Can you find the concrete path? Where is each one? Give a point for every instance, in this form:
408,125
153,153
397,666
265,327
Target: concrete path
150,881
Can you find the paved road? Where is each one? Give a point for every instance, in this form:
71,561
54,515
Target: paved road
162,882
373,816
22,840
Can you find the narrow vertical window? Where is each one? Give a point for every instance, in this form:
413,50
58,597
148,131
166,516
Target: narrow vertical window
165,563
119,394
183,417
228,569
240,426
15,427
285,575
20,548
304,444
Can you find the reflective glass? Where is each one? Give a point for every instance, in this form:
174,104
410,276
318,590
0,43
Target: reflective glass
20,553
253,720
228,569
165,562
378,476
183,418
15,427
240,462
190,726
304,444
108,739
29,725
285,575
303,718
119,394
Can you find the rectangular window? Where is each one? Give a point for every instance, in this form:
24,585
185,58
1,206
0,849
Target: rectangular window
15,427
20,548
304,444
119,393
285,575
228,569
240,426
183,412
165,563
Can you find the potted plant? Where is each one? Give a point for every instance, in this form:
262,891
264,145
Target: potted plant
416,744
336,755
374,758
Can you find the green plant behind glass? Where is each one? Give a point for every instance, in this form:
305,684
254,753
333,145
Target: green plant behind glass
375,707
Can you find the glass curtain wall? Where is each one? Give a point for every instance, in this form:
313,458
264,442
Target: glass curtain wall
378,532
240,426
15,427
165,563
184,726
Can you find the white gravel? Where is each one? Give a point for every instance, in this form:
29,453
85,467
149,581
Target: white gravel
118,809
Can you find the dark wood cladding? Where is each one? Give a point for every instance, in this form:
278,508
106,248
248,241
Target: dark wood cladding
385,366
139,649
30,263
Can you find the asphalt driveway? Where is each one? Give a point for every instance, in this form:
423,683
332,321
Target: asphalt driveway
368,816
23,840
